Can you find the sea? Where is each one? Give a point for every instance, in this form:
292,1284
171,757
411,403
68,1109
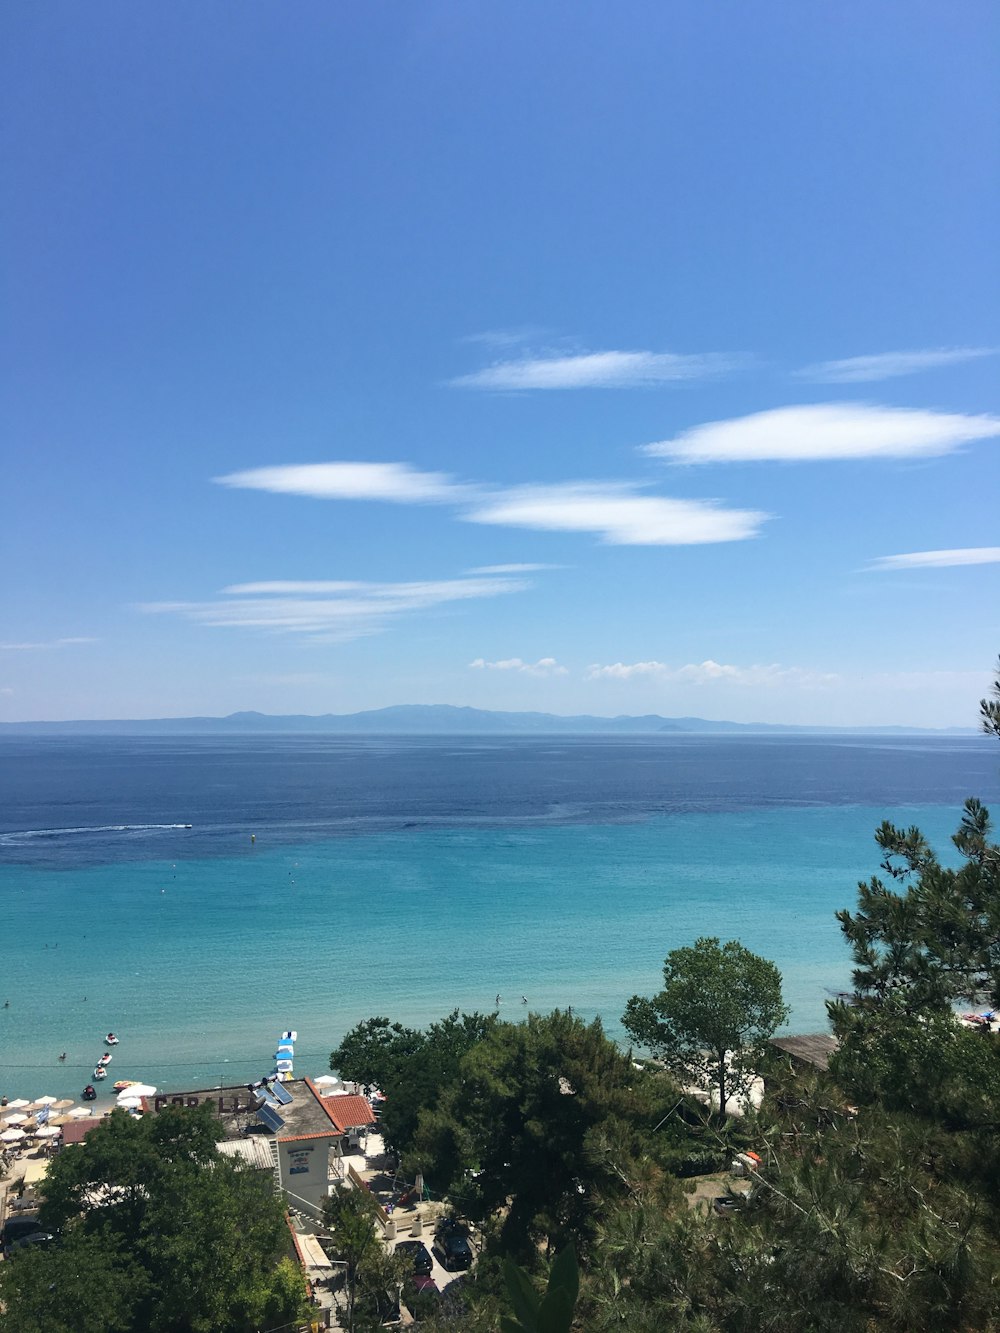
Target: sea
200,895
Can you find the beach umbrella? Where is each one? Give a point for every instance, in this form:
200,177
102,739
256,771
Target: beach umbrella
136,1091
18,1104
47,1132
46,1101
129,1103
60,1120
40,1103
12,1136
18,1118
63,1104
78,1112
327,1081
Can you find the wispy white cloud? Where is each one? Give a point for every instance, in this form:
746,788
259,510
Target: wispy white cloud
888,365
6,689
512,569
49,643
615,511
598,370
505,337
968,555
329,610
709,673
545,666
826,431
617,514
395,482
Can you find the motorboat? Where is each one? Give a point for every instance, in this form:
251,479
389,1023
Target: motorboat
111,1039
100,1072
89,1093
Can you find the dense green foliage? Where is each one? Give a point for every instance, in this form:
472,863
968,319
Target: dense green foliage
159,1233
410,1066
711,1023
371,1276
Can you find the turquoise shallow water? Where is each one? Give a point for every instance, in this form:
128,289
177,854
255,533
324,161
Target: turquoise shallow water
198,963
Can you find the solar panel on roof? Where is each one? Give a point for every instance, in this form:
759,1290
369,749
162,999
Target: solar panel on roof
270,1118
281,1094
268,1099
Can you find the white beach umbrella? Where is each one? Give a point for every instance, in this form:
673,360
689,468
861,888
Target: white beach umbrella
327,1081
47,1132
18,1104
46,1101
139,1090
128,1103
12,1136
78,1112
18,1118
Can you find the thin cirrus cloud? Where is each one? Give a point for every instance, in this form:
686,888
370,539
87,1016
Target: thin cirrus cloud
615,512
50,643
824,432
330,611
512,569
545,666
712,673
889,365
394,482
598,370
967,555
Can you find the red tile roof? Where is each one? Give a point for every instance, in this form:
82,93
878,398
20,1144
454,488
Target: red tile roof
349,1112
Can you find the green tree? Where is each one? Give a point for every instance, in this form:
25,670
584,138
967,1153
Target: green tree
543,1124
411,1067
194,1239
371,1275
719,1006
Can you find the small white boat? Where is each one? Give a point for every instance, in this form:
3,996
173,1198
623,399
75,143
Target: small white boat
111,1039
100,1072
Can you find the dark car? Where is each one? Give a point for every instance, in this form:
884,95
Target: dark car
728,1204
454,1248
30,1242
423,1264
16,1229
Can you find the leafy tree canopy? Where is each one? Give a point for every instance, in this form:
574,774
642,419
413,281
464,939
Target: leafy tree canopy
710,1024
410,1066
188,1239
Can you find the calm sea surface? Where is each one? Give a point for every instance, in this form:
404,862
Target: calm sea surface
407,876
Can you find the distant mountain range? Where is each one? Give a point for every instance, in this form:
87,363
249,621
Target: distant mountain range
439,720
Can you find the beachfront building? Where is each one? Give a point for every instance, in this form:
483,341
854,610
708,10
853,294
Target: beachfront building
292,1130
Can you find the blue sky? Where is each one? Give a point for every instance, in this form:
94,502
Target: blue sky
608,359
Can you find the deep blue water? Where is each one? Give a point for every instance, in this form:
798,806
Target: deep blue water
405,876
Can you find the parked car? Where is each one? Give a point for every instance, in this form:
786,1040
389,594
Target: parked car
15,1229
30,1241
423,1264
452,1244
727,1204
